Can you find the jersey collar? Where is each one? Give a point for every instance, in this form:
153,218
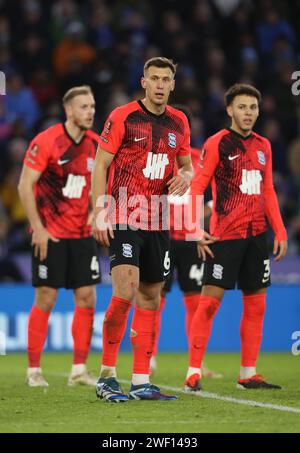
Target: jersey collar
240,135
71,138
148,111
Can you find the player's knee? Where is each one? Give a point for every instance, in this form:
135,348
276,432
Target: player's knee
149,303
148,296
45,298
213,291
85,297
126,290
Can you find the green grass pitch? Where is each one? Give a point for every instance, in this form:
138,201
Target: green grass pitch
76,409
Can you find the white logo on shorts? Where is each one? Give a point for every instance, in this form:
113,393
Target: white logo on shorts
43,271
127,250
218,271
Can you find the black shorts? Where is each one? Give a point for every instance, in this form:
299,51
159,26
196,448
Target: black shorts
189,267
242,261
70,263
148,250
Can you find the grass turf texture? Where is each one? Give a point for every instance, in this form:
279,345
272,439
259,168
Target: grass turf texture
76,409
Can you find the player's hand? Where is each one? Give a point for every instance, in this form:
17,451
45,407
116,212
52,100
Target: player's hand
279,249
179,184
101,227
203,245
39,240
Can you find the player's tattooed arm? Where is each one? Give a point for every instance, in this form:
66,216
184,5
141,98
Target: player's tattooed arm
102,228
40,236
180,183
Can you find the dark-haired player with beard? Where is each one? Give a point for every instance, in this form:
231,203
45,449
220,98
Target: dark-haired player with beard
54,189
238,163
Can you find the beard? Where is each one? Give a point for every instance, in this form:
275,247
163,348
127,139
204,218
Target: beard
82,126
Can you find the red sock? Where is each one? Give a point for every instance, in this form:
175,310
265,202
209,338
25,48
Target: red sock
142,338
201,327
37,333
82,330
114,328
251,328
158,324
191,305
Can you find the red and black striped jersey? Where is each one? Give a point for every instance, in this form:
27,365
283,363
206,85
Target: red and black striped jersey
62,191
145,146
240,171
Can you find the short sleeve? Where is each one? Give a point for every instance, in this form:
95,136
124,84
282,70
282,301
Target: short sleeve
37,154
185,148
113,132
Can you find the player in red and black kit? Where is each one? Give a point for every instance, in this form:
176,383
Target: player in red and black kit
140,143
238,163
54,189
184,257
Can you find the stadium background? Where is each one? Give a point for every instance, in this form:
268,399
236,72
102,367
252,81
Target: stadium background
54,45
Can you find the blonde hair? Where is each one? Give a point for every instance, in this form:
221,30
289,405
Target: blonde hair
76,91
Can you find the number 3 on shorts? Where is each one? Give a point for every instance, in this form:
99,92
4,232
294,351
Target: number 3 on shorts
267,271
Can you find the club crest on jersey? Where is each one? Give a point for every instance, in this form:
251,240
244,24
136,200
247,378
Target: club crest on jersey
261,157
90,163
172,140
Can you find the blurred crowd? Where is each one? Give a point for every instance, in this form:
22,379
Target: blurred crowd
48,47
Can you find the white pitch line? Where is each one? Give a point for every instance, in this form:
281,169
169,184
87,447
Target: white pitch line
229,399
215,396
